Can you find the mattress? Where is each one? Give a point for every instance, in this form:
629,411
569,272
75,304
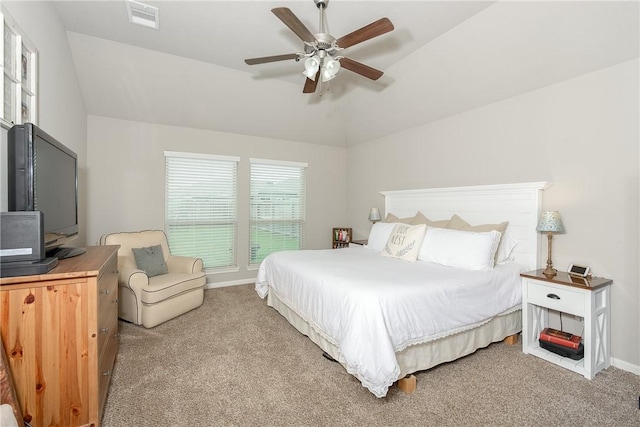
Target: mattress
372,307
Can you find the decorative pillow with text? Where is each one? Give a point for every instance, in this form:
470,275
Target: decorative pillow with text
405,242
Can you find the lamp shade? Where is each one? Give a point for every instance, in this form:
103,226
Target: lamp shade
374,214
550,222
330,69
311,67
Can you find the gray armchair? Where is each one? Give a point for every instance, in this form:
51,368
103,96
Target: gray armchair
149,301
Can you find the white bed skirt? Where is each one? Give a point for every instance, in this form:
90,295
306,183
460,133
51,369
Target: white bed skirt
421,356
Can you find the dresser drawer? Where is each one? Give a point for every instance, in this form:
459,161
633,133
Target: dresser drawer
107,304
107,316
107,360
562,299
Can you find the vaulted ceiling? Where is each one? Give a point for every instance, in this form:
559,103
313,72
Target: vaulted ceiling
443,58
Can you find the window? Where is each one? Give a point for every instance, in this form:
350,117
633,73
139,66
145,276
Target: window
19,76
277,207
200,208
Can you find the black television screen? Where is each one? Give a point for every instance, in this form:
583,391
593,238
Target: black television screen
43,176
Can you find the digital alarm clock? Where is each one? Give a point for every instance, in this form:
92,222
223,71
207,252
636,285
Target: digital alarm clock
579,270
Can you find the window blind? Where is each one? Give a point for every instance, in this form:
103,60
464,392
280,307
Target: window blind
277,207
200,208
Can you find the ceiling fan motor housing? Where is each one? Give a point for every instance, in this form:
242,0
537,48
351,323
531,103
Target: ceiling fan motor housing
325,42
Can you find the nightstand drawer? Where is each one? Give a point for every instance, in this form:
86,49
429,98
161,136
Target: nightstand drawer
561,299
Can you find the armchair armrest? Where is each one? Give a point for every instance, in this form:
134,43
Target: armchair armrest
132,278
184,264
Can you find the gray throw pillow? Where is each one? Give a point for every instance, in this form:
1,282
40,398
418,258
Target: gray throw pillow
151,260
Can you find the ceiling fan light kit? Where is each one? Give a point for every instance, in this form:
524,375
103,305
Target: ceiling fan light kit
321,59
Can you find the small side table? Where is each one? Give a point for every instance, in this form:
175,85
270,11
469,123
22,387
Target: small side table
587,298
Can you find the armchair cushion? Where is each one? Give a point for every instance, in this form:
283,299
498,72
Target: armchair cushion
166,286
150,260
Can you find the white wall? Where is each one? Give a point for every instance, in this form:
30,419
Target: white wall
582,135
61,110
126,179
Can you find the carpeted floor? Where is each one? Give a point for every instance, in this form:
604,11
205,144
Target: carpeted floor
236,362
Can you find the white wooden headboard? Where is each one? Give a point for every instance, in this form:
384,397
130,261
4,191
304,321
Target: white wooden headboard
520,204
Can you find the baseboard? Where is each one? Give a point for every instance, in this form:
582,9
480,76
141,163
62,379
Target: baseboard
229,283
625,366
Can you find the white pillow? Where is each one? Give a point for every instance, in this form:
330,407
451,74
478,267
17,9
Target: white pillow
379,235
507,245
461,249
405,242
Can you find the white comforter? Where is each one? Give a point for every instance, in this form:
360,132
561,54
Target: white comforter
371,306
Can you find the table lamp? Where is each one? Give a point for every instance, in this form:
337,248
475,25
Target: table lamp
550,223
374,215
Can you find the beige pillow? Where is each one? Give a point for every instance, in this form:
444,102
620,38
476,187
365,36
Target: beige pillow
421,219
393,218
405,241
457,223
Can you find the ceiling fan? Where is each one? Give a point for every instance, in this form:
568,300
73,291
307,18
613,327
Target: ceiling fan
321,50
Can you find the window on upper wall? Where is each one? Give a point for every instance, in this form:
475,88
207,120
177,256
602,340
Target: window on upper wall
200,208
19,76
277,207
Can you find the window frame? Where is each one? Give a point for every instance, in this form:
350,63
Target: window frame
24,98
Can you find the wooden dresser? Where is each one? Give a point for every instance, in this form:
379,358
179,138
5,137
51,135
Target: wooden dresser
60,334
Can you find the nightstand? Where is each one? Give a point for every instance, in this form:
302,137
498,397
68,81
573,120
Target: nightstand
359,242
589,299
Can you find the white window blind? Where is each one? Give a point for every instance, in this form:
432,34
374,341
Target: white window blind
200,208
277,207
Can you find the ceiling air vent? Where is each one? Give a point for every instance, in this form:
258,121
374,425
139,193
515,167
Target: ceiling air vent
143,14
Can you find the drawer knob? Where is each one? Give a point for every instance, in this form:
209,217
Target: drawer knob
105,292
106,373
104,330
115,300
553,296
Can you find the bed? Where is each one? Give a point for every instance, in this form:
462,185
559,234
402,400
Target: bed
384,318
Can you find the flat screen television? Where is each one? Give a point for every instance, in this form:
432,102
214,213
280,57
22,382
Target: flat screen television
43,176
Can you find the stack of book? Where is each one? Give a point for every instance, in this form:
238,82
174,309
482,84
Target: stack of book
562,343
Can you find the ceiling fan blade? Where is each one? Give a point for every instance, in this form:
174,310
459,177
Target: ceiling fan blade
375,29
359,68
310,85
294,24
265,59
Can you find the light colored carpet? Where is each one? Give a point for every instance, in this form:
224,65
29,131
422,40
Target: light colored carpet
236,362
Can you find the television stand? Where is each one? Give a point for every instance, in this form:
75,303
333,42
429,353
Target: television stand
66,252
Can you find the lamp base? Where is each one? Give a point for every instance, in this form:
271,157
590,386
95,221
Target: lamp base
549,272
